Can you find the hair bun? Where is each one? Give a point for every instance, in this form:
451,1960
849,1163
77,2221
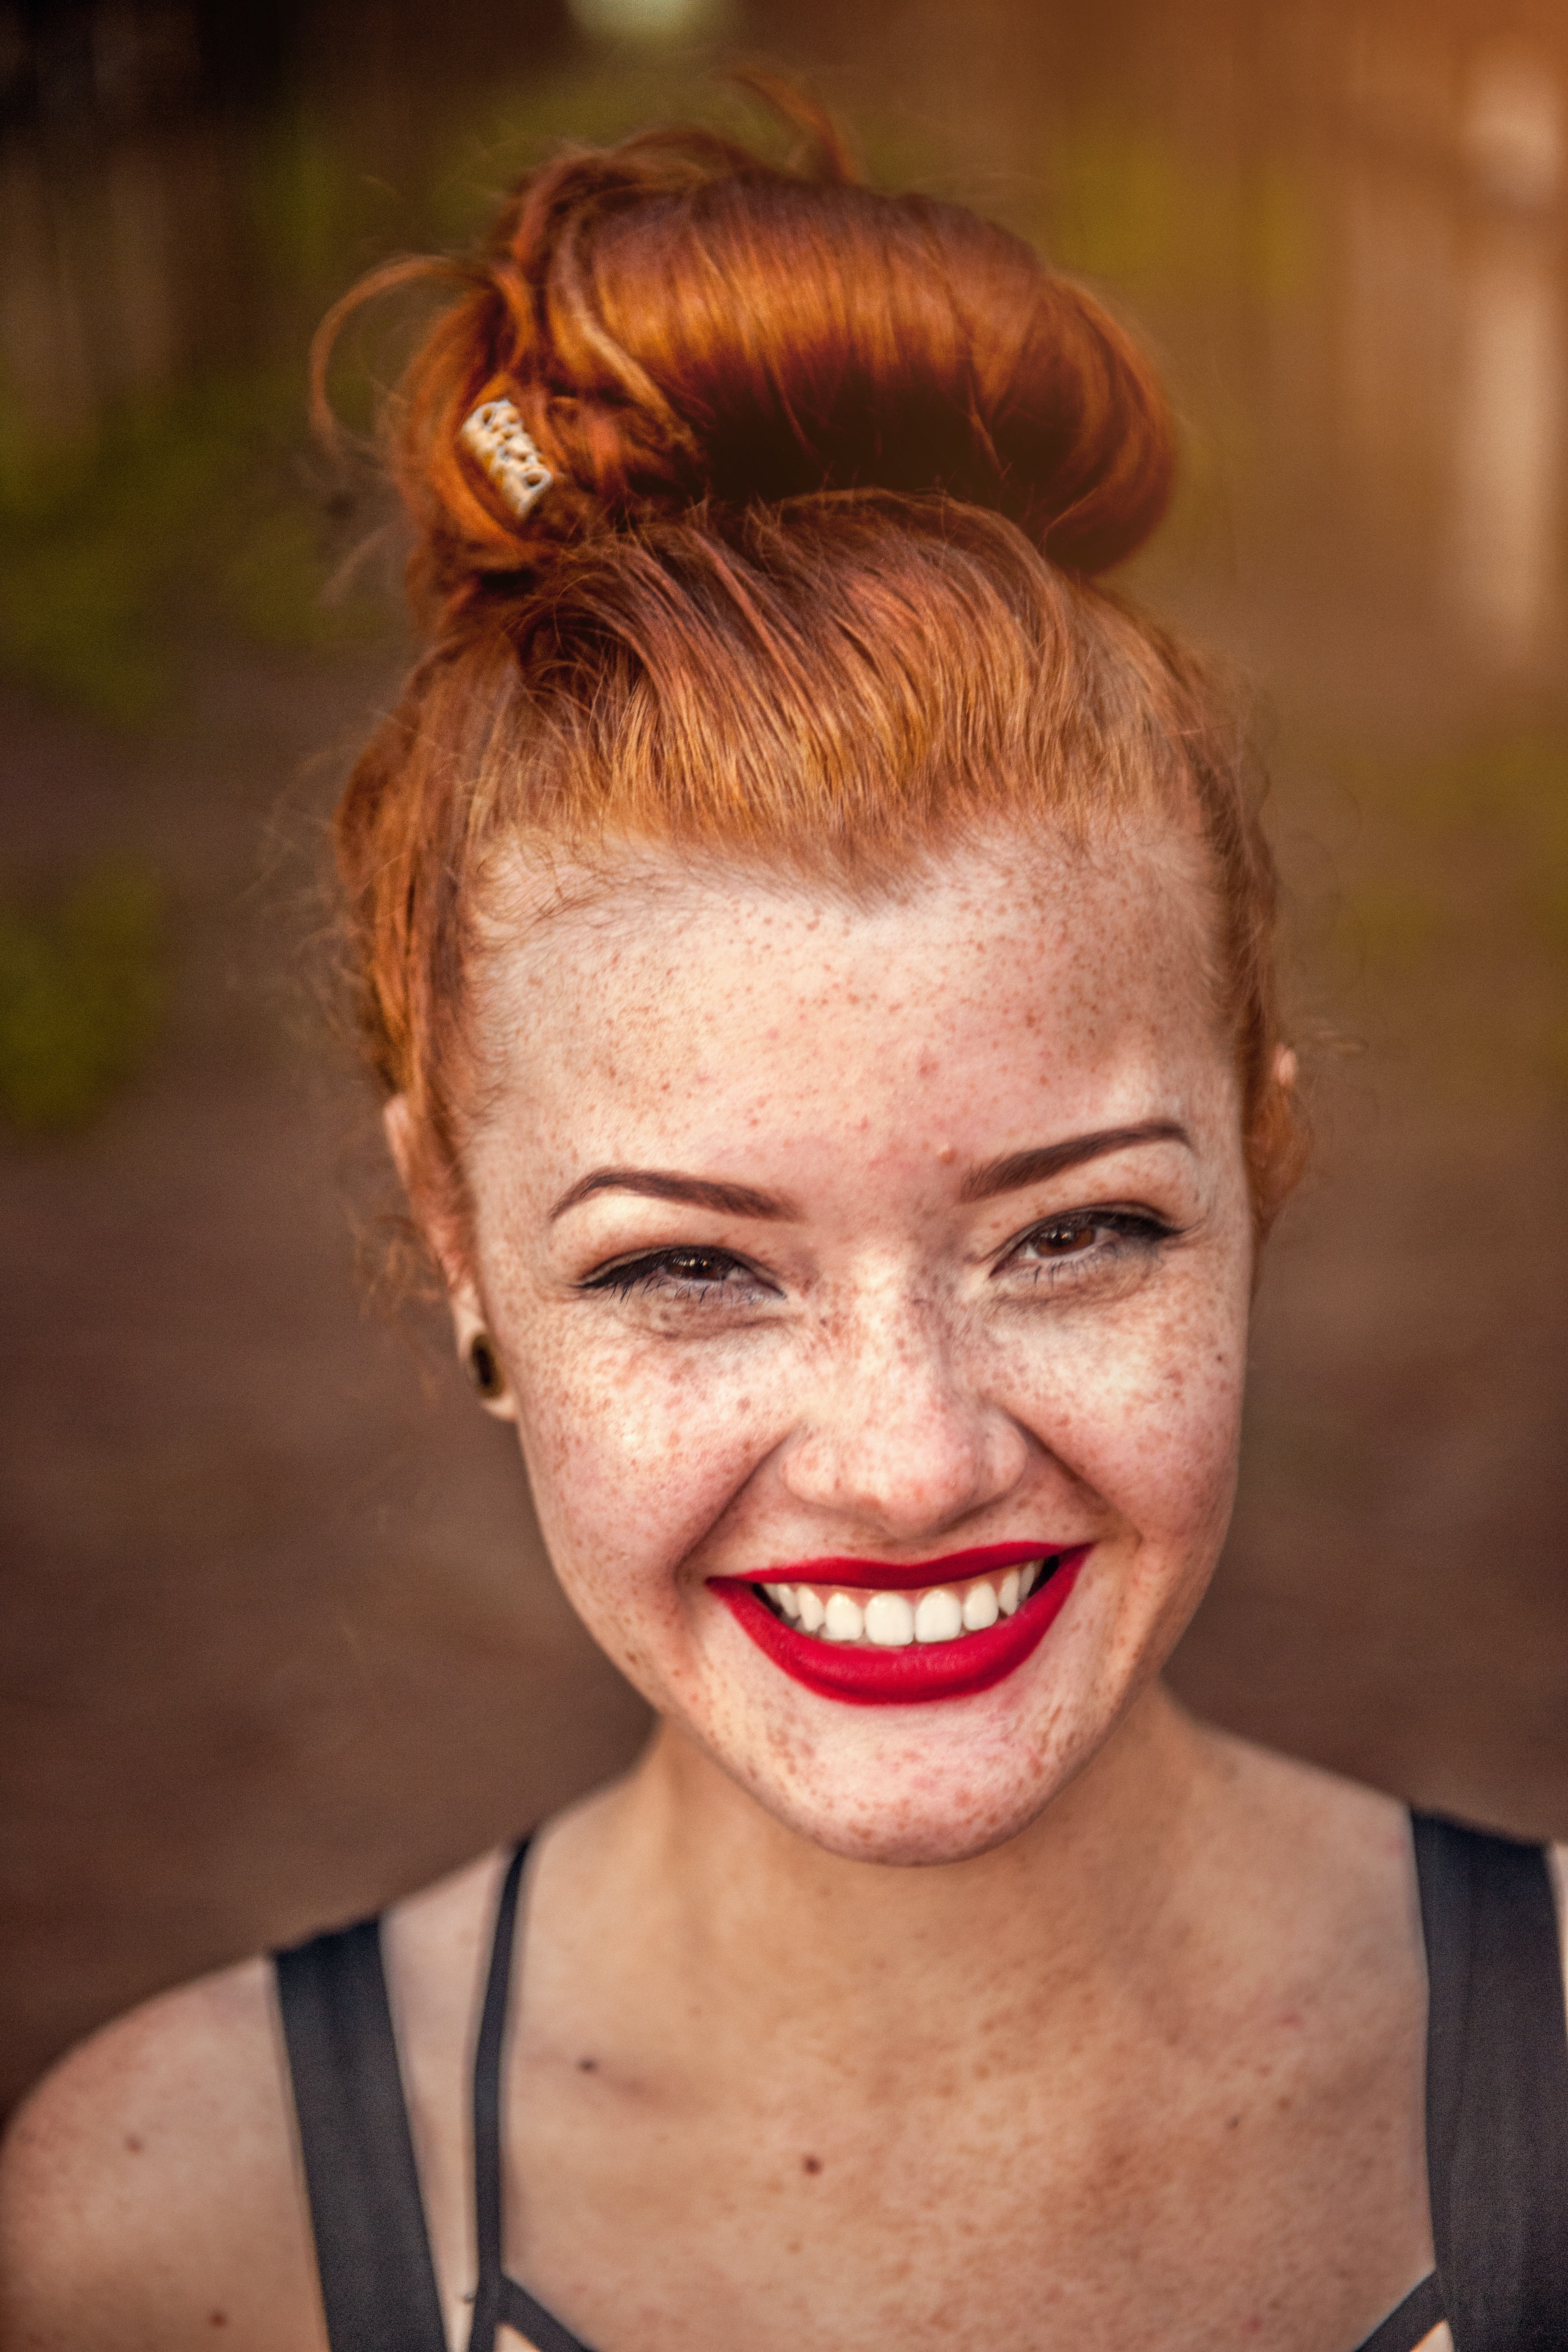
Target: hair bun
676,321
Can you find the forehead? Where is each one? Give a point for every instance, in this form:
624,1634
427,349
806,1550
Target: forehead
655,984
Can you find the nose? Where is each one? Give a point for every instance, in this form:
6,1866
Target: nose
897,1440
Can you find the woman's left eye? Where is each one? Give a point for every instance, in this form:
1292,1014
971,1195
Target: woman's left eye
1085,1233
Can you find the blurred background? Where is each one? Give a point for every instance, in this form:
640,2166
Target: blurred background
279,1641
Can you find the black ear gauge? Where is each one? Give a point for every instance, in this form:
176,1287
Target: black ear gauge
484,1367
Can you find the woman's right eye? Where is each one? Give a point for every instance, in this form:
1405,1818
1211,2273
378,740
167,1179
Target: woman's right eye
704,1276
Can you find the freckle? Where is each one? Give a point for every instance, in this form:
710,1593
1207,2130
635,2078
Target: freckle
811,2163
587,2065
217,2319
1231,2122
133,2144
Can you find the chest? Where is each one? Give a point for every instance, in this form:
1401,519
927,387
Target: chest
956,2204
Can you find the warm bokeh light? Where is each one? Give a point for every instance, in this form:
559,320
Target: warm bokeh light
649,20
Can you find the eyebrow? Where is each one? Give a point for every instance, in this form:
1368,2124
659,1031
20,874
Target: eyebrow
666,1184
997,1176
1021,1168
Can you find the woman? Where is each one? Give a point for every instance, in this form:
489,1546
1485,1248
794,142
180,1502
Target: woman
816,945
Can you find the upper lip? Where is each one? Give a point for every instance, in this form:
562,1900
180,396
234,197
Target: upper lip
901,1576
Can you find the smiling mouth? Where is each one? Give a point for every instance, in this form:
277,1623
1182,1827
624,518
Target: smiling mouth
892,1620
874,1634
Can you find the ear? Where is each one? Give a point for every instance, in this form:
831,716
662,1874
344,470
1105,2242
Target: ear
1285,1068
463,1301
401,1129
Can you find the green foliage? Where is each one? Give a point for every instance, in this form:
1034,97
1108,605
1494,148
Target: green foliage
271,583
1133,207
1456,914
83,994
1391,926
306,207
591,102
189,509
71,620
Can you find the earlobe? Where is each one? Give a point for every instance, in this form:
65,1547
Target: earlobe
484,1369
476,1350
1285,1068
397,1126
479,1355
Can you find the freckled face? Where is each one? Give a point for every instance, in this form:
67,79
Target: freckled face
892,1328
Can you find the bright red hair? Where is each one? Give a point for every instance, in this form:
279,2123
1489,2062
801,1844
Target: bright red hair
812,588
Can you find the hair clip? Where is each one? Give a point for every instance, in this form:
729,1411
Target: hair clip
495,434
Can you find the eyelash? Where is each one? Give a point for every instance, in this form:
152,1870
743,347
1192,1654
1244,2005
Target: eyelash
1131,1229
1135,1229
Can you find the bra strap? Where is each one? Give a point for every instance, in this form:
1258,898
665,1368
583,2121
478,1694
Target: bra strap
1410,2323
534,2323
378,2283
1497,2088
488,2292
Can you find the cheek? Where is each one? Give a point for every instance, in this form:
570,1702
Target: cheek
632,1451
1147,1413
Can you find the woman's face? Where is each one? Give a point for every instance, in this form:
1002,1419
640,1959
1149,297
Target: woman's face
873,1287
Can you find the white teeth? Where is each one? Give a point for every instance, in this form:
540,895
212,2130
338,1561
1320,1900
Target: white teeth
890,1623
979,1607
939,1617
891,1620
845,1620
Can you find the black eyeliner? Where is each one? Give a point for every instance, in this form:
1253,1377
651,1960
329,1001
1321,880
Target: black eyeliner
1143,1228
631,1274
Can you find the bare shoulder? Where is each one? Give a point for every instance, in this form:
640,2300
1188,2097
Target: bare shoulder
151,2192
149,2198
1346,1850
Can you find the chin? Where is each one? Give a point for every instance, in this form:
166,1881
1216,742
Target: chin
906,1809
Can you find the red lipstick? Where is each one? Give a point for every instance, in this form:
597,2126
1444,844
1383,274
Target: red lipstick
881,1576
920,1671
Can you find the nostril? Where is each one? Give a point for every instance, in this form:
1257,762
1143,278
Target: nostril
915,1466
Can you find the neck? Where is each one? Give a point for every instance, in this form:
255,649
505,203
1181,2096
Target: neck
1086,1896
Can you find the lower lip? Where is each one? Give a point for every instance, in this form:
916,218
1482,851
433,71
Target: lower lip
917,1674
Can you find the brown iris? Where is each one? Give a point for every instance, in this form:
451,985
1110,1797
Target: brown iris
1066,1240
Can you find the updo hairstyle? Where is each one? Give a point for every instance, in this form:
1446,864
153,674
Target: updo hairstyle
813,589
